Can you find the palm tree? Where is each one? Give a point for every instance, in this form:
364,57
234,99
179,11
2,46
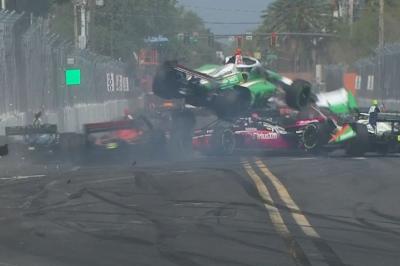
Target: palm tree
299,16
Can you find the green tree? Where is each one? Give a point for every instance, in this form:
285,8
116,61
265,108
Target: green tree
361,39
120,27
299,16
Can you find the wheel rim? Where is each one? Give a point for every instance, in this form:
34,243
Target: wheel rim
310,137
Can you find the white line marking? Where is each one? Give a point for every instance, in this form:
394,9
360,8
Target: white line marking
76,168
359,158
304,159
105,180
21,177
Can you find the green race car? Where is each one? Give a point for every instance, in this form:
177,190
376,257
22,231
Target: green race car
229,90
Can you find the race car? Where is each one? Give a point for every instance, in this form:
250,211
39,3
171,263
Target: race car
385,138
253,132
230,90
134,132
341,125
35,137
329,122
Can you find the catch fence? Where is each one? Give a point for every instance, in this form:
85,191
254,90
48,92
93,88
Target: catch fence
375,77
33,62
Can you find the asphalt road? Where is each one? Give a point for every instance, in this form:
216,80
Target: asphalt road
249,209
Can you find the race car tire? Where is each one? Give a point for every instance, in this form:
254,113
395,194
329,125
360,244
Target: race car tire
157,143
167,81
298,95
315,136
182,128
4,150
230,103
358,145
223,142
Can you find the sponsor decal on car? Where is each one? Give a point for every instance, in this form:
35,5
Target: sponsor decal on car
265,136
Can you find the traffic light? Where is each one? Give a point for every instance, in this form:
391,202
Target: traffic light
211,40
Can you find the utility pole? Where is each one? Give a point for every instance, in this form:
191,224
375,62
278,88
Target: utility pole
351,15
83,36
3,4
80,8
381,61
76,41
381,24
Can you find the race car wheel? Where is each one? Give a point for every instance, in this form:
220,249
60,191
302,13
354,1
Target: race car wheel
358,145
157,143
298,94
311,137
314,137
231,103
168,81
228,142
181,132
4,150
223,142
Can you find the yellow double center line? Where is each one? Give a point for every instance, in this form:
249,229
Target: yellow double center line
300,219
277,220
294,249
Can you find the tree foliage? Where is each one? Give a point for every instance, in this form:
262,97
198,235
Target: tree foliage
298,16
361,39
298,53
120,27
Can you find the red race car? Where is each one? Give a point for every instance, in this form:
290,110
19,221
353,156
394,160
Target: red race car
132,132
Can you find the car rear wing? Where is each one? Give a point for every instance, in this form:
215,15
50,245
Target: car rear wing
384,117
31,130
108,126
389,117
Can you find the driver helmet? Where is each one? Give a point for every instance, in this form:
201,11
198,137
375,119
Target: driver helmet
375,102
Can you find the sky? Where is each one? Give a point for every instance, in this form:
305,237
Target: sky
228,11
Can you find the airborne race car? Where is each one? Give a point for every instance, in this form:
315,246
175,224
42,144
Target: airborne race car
229,90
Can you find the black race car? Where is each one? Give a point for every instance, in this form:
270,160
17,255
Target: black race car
36,137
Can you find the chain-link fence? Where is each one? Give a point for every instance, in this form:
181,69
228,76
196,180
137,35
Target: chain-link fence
375,77
32,78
